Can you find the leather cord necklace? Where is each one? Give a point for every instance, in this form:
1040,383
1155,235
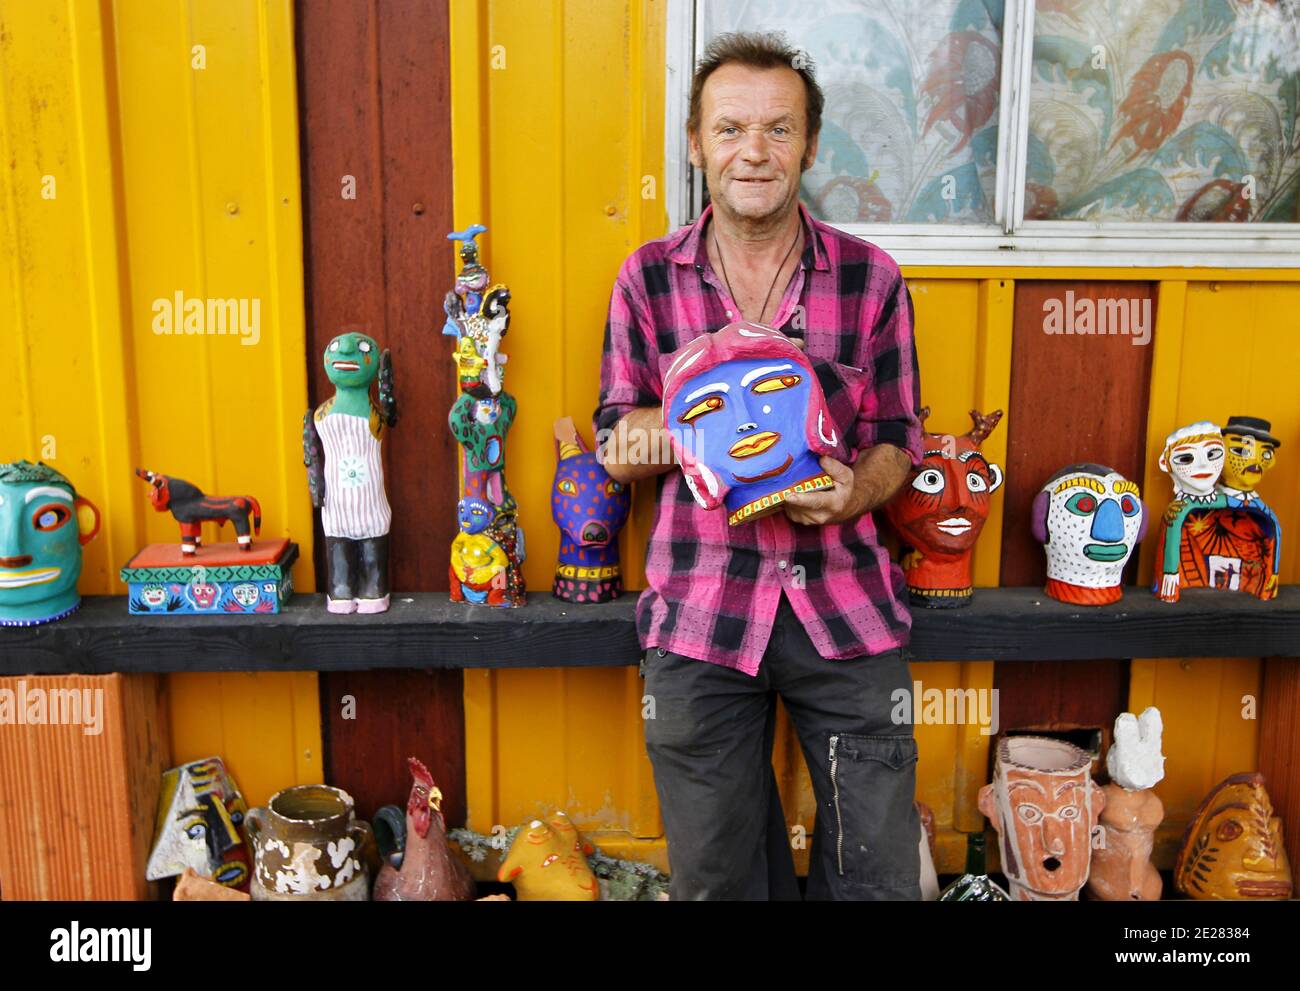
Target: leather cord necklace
723,262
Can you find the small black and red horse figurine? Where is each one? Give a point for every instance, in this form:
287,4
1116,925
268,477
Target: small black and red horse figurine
191,509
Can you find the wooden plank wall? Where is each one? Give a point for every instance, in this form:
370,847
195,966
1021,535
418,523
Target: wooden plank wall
374,83
1074,398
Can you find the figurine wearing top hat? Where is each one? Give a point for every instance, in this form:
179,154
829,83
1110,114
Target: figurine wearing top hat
1218,532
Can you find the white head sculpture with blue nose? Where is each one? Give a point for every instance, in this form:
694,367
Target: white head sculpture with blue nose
1088,518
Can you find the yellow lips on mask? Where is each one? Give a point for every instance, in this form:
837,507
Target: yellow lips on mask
754,444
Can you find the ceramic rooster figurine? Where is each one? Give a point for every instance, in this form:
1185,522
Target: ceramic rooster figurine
430,871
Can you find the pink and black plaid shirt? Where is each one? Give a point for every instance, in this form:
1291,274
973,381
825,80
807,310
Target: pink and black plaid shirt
714,589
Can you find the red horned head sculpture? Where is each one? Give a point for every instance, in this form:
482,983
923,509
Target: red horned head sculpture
940,514
425,801
159,493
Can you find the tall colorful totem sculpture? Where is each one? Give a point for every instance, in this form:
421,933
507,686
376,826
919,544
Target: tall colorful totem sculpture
489,549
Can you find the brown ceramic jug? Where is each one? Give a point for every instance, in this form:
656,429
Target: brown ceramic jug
309,846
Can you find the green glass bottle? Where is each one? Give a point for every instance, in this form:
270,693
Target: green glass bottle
974,885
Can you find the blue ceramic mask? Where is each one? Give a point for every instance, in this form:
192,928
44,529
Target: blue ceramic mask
747,418
40,543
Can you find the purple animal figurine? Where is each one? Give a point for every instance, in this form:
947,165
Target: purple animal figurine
590,508
191,509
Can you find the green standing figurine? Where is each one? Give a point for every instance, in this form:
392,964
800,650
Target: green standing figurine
341,448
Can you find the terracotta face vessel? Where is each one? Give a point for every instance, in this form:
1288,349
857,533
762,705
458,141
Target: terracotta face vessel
1045,806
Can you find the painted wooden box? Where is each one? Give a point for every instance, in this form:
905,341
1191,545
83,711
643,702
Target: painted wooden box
218,581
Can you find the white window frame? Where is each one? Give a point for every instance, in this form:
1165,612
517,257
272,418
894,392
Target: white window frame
1011,240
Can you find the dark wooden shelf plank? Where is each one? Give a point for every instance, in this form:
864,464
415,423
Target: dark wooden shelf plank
427,630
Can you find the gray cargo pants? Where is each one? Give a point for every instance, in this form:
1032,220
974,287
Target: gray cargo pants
710,744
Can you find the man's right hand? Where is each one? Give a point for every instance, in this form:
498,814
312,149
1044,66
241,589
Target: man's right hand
638,447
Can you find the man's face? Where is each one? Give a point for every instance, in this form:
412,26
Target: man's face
752,141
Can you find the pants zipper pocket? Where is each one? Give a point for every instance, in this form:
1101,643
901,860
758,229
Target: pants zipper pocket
839,822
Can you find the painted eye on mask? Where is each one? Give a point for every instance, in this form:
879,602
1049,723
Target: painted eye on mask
1030,814
613,488
1267,454
976,482
778,383
929,481
334,345
197,831
702,408
1228,830
1237,451
1082,504
364,347
567,487
1129,506
1214,454
1070,812
1183,460
51,517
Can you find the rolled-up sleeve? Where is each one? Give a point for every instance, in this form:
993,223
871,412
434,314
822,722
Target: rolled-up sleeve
629,364
891,403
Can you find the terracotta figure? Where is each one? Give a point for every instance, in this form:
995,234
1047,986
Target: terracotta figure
748,420
1219,535
1232,848
201,825
191,508
1045,806
193,887
487,554
1089,518
43,526
590,508
548,862
345,472
309,846
429,871
1121,864
941,513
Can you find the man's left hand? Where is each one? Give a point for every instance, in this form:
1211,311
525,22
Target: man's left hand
838,504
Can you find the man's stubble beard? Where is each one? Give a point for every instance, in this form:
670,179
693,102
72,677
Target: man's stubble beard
768,221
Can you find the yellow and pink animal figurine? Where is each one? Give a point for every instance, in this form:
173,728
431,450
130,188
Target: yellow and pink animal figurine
548,862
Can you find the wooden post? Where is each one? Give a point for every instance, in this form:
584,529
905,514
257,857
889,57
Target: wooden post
1279,746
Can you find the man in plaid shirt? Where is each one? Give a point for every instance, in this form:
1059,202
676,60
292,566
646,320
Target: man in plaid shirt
803,603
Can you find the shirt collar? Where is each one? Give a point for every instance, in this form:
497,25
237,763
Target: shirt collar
690,248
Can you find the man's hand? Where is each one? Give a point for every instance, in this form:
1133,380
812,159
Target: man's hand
869,484
838,504
638,447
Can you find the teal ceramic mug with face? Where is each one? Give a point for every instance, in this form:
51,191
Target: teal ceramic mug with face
43,526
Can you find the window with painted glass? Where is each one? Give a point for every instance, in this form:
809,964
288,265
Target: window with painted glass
1056,132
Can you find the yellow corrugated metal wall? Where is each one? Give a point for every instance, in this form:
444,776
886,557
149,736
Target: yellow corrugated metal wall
149,149
558,114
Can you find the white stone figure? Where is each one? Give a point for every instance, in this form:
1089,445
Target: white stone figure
1135,761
